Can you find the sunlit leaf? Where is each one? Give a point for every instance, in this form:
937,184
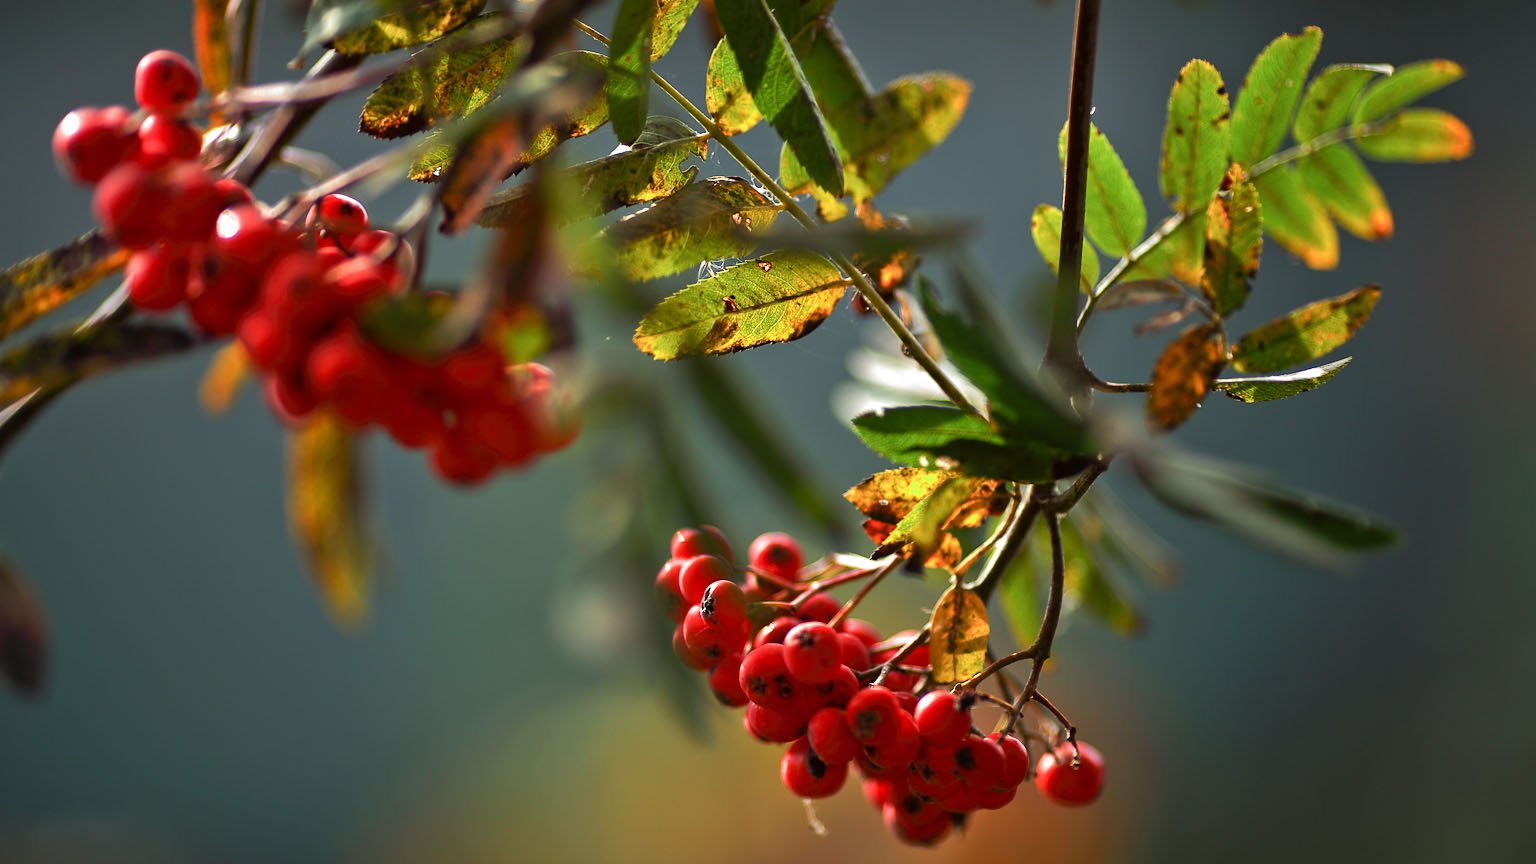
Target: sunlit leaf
957,639
891,494
1418,135
1329,98
229,369
456,83
1233,240
1406,86
1045,227
65,357
1115,217
776,298
1183,375
23,633
1269,95
32,288
1336,177
923,526
1088,586
328,19
931,436
1195,138
1179,255
703,221
1140,292
1267,388
779,89
1306,333
1019,595
210,44
835,78
629,67
413,24
325,514
1296,220
671,16
725,92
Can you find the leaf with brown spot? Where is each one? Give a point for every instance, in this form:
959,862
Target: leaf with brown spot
1233,238
1270,92
32,288
227,372
703,221
23,633
1114,216
415,24
1183,375
457,82
1340,181
922,529
478,169
325,514
890,495
1267,388
957,638
1306,333
1195,137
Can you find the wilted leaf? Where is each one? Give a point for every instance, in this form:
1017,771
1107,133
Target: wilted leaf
1418,135
210,44
1326,105
890,495
63,358
1407,85
325,514
1306,333
414,23
652,169
957,639
1269,95
1336,177
931,436
1296,220
1183,375
32,288
1270,387
456,83
629,67
1045,227
776,298
779,89
1195,139
1115,217
23,633
923,527
702,221
227,371
1233,239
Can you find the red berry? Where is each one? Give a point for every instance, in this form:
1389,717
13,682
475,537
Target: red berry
725,606
830,736
812,652
1015,759
862,629
243,236
772,724
820,607
776,554
156,279
232,191
685,654
1059,780
165,139
853,652
774,631
340,368
341,215
288,398
881,791
358,279
460,460
194,206
216,312
667,592
942,718
805,774
294,288
767,681
699,572
873,716
89,142
130,203
397,263
266,340
894,756
725,681
707,640
980,762
691,542
838,691
473,371
915,821
165,82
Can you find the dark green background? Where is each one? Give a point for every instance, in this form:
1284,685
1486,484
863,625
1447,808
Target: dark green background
202,708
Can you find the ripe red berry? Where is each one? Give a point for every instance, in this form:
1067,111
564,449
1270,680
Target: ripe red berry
341,215
812,652
820,607
164,139
725,681
767,681
165,82
699,572
830,736
772,724
358,280
865,631
1015,758
267,341
194,206
130,202
1059,780
838,691
668,593
243,236
893,757
685,654
459,460
942,718
980,762
691,542
774,631
725,606
915,821
89,142
473,371
854,654
288,398
872,714
156,279
501,428
707,640
776,554
807,775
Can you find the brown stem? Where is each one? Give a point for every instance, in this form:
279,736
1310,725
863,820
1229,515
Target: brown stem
863,592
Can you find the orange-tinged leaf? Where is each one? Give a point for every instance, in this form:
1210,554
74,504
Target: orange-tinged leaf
32,288
945,557
478,169
324,512
1418,135
229,369
890,495
23,633
1233,239
1306,333
210,42
1183,375
1297,220
1336,177
957,638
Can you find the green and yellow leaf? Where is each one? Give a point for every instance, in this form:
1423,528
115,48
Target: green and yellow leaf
1115,217
629,67
1296,220
32,288
1269,95
1329,98
1267,388
1194,156
1306,333
1233,240
1045,228
454,84
414,24
958,632
703,221
891,494
62,358
1418,135
725,92
325,515
1406,86
1340,181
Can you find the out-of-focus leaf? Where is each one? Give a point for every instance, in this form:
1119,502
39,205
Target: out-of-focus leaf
1336,177
23,633
1183,375
210,45
1233,240
229,369
1296,220
703,221
957,640
1195,139
1306,333
776,298
60,359
779,89
456,83
1089,586
328,19
1045,227
1407,85
1018,594
325,514
1418,135
1115,217
414,23
651,170
1293,523
890,495
477,169
1269,95
406,323
1270,387
834,75
1140,292
32,288
1114,531
923,527
931,436
629,67
725,92
1326,105
671,17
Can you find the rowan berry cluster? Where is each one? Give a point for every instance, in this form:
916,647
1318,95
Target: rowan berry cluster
294,292
840,695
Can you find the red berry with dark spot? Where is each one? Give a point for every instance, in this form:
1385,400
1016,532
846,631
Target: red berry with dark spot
807,775
288,398
766,679
243,236
1015,758
980,762
895,755
812,652
830,736
942,718
165,82
772,724
774,631
725,606
707,640
1061,781
776,554
872,714
341,215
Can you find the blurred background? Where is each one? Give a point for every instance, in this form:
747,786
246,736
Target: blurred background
202,707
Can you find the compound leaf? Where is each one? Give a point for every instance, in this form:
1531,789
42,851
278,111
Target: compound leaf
455,83
1269,95
1233,240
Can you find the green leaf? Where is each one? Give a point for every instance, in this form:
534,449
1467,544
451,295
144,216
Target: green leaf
703,221
1018,593
1306,333
1340,181
60,359
1045,227
407,323
776,298
1269,95
1113,530
779,90
1406,86
1179,255
834,75
1296,220
34,287
1418,135
413,24
1089,586
629,67
23,632
652,169
328,19
1115,218
931,436
923,525
1325,107
1233,240
456,83
671,17
958,633
1268,388
1304,526
725,92
325,514
1195,138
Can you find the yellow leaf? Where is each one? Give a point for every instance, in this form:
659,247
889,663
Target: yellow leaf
324,495
957,639
227,371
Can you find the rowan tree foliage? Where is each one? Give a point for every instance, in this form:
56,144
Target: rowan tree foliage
995,455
